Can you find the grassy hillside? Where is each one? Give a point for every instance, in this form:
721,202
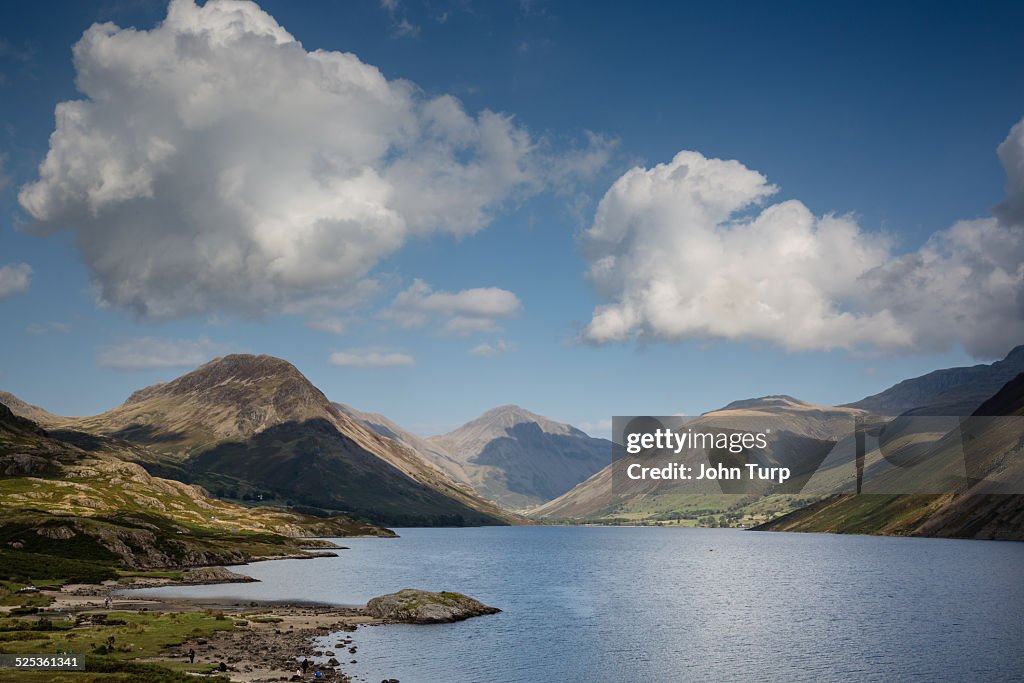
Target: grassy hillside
995,461
59,500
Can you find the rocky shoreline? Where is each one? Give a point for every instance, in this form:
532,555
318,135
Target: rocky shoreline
275,637
271,638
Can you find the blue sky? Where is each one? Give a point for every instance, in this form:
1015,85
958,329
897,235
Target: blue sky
886,115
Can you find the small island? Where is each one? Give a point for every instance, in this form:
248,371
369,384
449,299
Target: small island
414,606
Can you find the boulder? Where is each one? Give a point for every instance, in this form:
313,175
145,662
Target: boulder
414,606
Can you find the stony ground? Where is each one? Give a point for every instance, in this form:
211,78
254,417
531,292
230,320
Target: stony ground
276,636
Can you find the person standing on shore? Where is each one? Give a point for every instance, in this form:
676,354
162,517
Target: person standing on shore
305,665
191,656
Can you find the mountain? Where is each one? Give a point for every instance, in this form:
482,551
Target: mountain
27,410
954,391
254,427
995,461
58,499
801,435
508,454
518,458
430,452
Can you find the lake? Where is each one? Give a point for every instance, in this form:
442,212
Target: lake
674,604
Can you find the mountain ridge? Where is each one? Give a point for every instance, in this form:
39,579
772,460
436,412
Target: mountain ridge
948,391
21,408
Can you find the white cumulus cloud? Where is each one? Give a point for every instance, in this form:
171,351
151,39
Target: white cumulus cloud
213,163
691,249
465,312
1011,154
14,279
151,353
370,358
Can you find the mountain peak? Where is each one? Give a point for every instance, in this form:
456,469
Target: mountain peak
511,411
521,459
233,369
773,401
238,394
496,421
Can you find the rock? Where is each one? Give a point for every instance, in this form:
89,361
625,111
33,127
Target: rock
58,533
414,606
211,575
333,662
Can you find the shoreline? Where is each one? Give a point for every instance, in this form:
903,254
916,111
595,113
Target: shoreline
269,646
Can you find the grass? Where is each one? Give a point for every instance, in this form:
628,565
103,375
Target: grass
113,635
108,670
10,595
111,641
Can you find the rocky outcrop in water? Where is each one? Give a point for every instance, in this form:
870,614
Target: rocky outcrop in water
413,606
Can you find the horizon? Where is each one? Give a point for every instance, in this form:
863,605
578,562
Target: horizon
600,431
401,289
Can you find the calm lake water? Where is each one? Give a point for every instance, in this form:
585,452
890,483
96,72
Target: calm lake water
674,604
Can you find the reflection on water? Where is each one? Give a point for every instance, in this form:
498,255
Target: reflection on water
671,604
